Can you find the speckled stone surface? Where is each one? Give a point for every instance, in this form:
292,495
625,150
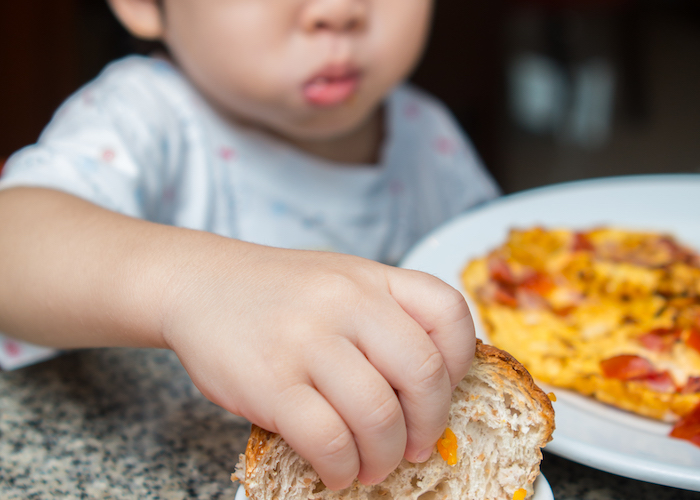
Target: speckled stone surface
129,424
114,424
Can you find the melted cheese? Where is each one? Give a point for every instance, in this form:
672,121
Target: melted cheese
610,287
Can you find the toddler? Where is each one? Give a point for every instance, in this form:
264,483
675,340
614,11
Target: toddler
237,201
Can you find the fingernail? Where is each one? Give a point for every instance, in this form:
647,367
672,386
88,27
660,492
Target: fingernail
424,455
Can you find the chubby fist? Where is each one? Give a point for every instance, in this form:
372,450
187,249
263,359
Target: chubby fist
353,362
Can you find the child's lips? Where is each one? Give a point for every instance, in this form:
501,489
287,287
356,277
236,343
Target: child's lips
331,87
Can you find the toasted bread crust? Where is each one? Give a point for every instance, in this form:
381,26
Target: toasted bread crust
490,354
258,444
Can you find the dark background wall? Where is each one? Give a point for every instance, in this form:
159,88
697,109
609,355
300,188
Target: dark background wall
48,49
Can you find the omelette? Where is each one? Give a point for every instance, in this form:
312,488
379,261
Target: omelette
610,313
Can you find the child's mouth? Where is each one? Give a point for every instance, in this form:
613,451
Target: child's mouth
331,87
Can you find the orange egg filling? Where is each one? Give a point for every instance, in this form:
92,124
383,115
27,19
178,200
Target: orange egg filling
447,446
520,494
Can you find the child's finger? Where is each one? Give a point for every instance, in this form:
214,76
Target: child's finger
405,355
441,311
314,429
366,402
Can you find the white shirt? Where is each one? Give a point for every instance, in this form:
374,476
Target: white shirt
141,141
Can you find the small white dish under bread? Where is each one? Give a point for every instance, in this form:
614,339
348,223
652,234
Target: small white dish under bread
542,490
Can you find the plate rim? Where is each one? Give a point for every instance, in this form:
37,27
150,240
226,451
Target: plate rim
624,180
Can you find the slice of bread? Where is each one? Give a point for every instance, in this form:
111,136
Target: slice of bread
501,420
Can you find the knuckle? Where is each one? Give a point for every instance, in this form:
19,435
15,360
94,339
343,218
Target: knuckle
385,417
431,373
453,303
337,449
334,288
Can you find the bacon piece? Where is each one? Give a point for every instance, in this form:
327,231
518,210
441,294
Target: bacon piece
691,386
660,339
636,368
538,283
505,296
688,427
659,382
500,271
692,338
564,311
678,253
626,367
582,243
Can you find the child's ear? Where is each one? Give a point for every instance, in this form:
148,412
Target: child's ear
143,18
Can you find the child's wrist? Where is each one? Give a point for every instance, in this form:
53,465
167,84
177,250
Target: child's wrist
188,276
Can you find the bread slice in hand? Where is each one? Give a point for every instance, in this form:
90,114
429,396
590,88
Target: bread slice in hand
501,420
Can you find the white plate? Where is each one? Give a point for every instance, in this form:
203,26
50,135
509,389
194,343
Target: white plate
587,432
542,490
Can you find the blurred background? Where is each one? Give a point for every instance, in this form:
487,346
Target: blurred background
548,90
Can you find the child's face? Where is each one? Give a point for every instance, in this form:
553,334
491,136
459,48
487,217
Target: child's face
306,69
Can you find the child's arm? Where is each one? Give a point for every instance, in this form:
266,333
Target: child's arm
351,361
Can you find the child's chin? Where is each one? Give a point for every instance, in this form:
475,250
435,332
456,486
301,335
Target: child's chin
331,125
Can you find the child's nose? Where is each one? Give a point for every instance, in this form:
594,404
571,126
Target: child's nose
335,15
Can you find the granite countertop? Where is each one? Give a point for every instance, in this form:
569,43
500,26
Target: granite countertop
129,423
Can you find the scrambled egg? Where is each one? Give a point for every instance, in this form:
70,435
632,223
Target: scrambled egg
610,313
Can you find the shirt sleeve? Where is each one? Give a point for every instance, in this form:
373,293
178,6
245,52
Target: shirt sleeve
109,143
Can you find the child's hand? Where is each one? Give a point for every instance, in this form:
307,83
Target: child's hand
351,361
